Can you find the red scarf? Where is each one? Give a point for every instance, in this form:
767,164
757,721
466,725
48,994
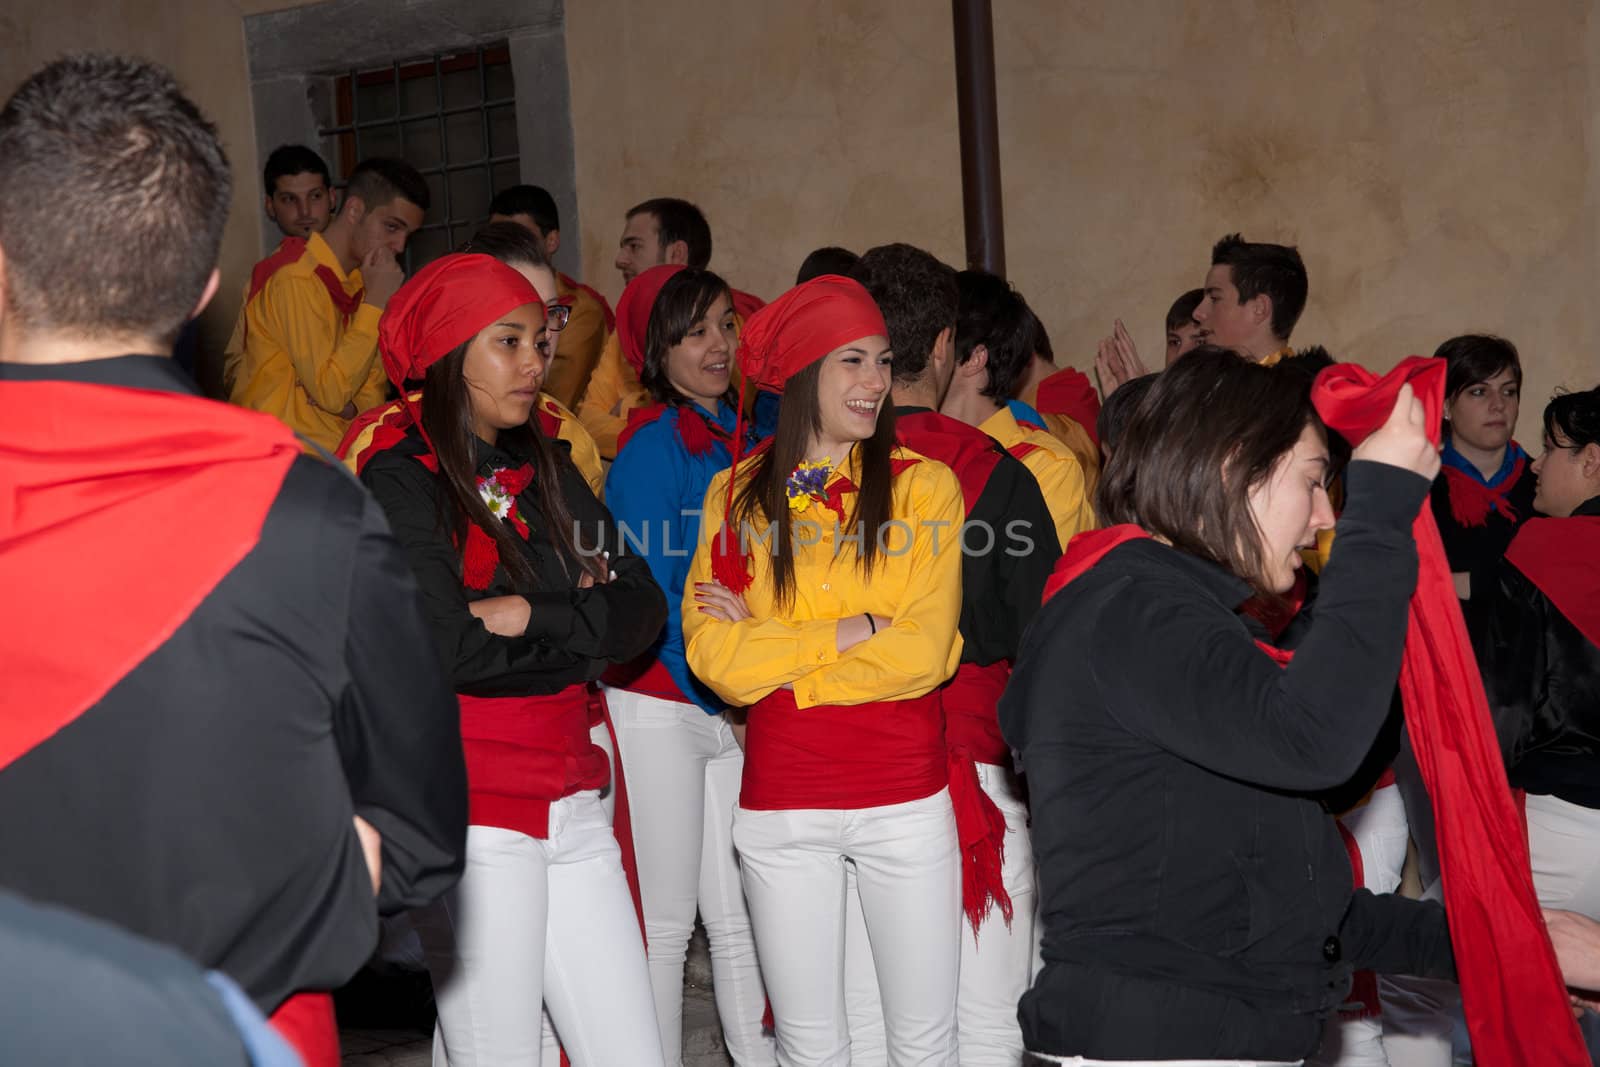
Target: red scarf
1512,989
698,433
135,501
1069,392
1559,556
289,251
965,449
1471,500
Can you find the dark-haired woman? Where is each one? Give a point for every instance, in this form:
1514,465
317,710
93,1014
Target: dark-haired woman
531,597
1485,487
682,759
1196,898
825,596
1536,629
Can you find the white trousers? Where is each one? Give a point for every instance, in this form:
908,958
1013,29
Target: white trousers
1081,1061
683,770
996,966
535,921
908,877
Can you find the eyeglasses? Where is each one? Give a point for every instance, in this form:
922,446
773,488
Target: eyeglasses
556,315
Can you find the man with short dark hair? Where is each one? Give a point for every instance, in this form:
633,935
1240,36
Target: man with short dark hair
579,343
1184,333
1009,547
299,199
311,321
662,230
223,723
1254,294
994,342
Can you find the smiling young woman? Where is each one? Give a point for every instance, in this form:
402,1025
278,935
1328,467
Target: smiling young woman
526,611
823,597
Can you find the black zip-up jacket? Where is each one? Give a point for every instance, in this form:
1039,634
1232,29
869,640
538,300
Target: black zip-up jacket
1542,676
206,800
1196,898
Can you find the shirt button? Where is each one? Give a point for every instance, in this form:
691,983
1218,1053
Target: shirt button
1332,950
826,587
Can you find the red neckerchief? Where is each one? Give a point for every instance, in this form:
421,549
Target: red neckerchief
1069,392
1084,551
594,294
1511,985
1558,556
289,251
965,449
1471,500
698,433
134,500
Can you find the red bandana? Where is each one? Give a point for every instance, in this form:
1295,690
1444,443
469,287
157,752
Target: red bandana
633,311
1512,988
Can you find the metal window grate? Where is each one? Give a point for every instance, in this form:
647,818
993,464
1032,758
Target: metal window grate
451,116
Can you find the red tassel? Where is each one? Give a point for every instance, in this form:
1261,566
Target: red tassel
729,565
981,830
479,559
695,432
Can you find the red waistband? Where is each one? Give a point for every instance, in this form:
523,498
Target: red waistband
971,718
307,1023
647,675
842,756
523,753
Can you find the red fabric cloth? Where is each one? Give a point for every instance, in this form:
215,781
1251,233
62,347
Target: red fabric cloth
842,757
306,1021
442,307
1084,551
1471,500
289,250
633,311
972,736
1069,392
525,753
605,306
133,501
746,304
697,433
1511,986
647,675
1558,556
966,450
971,722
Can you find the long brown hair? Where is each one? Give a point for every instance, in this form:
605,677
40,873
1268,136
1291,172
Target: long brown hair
1212,427
447,418
799,417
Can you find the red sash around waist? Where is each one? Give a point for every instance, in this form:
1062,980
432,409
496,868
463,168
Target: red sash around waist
836,756
524,753
646,675
971,719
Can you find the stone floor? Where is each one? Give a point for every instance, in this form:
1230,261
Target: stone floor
702,1035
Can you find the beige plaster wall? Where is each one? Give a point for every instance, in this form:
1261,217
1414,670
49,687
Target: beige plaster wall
1431,159
202,42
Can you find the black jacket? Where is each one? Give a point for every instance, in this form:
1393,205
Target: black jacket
573,634
206,800
1197,901
1542,677
1476,549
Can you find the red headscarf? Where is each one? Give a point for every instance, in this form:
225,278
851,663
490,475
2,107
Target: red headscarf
633,311
778,341
441,308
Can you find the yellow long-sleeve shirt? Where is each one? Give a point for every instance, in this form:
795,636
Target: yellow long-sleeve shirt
578,347
916,582
1066,429
305,361
1053,466
613,391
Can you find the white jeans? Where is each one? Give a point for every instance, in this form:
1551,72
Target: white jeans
535,921
683,769
996,966
908,876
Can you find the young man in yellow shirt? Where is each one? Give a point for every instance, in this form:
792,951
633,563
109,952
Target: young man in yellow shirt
994,342
1254,294
300,200
311,321
591,320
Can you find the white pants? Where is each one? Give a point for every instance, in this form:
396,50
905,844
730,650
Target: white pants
683,769
996,966
1081,1061
908,876
535,921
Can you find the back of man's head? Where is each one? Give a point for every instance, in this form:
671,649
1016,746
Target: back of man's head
679,220
829,260
531,200
994,315
378,181
113,195
917,295
1276,270
287,160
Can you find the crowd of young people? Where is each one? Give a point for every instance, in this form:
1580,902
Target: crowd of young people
979,722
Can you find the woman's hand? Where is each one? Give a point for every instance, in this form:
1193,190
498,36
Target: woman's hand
856,629
1576,939
720,602
503,616
371,851
1402,440
588,579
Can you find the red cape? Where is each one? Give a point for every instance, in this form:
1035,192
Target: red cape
1558,556
1511,986
120,511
